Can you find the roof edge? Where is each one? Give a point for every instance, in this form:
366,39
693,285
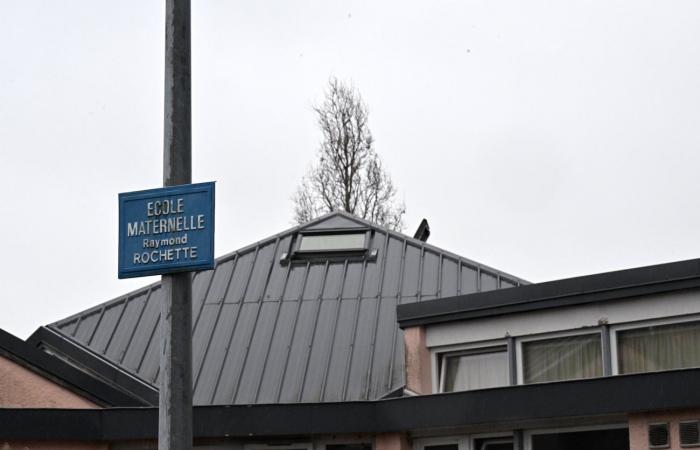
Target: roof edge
531,404
90,361
558,293
64,374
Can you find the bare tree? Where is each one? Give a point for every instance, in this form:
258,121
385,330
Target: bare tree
349,175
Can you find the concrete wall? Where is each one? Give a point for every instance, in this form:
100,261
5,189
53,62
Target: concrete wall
22,388
561,319
638,424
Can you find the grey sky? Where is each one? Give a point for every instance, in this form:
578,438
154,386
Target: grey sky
547,139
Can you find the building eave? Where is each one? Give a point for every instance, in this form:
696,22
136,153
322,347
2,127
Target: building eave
137,391
554,294
63,374
500,407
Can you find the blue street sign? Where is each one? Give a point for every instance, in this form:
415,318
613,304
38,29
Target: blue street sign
166,230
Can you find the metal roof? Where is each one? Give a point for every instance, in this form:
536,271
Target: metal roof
313,330
599,287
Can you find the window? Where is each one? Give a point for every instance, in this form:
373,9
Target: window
491,441
441,447
563,358
603,438
493,444
365,446
659,347
474,369
442,443
332,242
281,446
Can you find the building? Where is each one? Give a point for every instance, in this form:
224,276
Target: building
342,335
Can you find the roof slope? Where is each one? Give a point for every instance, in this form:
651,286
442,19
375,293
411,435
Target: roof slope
307,331
60,372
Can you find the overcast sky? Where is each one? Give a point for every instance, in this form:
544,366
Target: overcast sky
545,138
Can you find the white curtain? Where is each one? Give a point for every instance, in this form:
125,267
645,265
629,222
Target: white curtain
566,358
475,371
663,347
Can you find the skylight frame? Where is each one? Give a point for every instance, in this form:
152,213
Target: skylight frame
353,251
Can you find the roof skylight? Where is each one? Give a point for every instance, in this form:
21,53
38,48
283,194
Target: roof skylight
332,242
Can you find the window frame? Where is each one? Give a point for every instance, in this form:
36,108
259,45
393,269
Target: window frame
462,442
324,442
298,253
506,435
437,353
519,363
614,329
304,444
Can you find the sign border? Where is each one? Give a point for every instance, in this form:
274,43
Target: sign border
163,268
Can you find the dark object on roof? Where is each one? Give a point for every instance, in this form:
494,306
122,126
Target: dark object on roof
423,231
552,294
571,402
50,367
315,329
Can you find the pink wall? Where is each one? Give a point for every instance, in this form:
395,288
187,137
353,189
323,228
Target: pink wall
638,426
22,388
418,373
391,441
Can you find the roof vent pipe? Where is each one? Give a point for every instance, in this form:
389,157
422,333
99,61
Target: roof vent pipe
423,231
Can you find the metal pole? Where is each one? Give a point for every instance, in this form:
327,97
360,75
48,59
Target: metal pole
175,403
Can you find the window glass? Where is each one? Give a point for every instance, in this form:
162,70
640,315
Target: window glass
349,447
326,242
661,347
475,370
565,358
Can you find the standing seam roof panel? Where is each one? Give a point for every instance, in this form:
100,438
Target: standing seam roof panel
268,331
